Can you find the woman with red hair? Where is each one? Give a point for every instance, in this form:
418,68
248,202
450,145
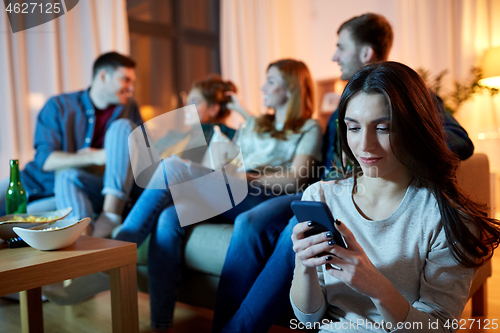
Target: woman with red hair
275,148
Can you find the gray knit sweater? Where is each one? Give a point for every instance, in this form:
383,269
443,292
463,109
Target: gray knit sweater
409,248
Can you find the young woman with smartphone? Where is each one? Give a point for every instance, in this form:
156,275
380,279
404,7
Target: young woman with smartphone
414,238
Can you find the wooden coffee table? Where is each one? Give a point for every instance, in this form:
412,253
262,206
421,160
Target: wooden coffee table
29,269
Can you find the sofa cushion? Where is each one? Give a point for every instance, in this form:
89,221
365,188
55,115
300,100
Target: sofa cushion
204,251
206,247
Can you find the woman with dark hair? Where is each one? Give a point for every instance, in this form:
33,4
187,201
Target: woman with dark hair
273,148
210,96
211,99
414,238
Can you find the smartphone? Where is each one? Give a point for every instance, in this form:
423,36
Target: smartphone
321,216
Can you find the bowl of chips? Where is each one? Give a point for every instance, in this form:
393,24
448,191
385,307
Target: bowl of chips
53,235
8,222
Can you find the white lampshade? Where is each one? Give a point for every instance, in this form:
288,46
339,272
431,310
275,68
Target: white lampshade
491,68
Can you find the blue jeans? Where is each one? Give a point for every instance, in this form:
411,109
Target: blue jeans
257,273
155,213
84,191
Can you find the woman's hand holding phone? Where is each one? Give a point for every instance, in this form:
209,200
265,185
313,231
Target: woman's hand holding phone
350,265
311,250
354,268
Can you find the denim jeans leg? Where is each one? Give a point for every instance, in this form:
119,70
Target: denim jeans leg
164,267
118,177
253,241
268,298
80,190
141,220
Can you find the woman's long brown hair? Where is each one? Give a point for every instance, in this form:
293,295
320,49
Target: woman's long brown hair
299,82
417,140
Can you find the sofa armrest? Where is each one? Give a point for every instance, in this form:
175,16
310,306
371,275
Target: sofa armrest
473,175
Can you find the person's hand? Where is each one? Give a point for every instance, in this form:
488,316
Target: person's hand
235,104
87,150
100,157
96,155
354,268
309,250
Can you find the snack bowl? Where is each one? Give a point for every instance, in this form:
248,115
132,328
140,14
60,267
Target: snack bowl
7,222
52,215
53,235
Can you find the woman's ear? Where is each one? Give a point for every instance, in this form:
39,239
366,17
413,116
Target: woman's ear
366,54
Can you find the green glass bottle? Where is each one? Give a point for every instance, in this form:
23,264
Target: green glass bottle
15,198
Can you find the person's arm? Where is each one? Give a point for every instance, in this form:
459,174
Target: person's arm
49,142
457,139
83,158
359,273
48,133
356,271
306,295
235,105
444,290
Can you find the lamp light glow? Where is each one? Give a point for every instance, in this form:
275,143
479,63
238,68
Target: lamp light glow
491,68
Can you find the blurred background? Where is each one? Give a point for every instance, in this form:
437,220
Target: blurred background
178,41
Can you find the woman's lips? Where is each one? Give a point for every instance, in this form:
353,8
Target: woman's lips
369,160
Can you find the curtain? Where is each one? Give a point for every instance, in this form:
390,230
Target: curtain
253,34
454,35
478,23
50,59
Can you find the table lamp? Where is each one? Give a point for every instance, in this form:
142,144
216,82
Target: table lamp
491,68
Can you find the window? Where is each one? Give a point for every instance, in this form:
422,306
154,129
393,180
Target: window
174,43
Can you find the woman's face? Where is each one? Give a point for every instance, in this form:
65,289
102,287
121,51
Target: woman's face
368,127
275,92
204,110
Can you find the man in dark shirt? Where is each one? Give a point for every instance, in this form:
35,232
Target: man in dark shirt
257,273
81,146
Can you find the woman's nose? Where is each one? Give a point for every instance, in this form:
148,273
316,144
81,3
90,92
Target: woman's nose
368,140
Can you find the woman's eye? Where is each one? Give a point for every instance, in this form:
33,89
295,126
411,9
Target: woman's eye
353,129
383,129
